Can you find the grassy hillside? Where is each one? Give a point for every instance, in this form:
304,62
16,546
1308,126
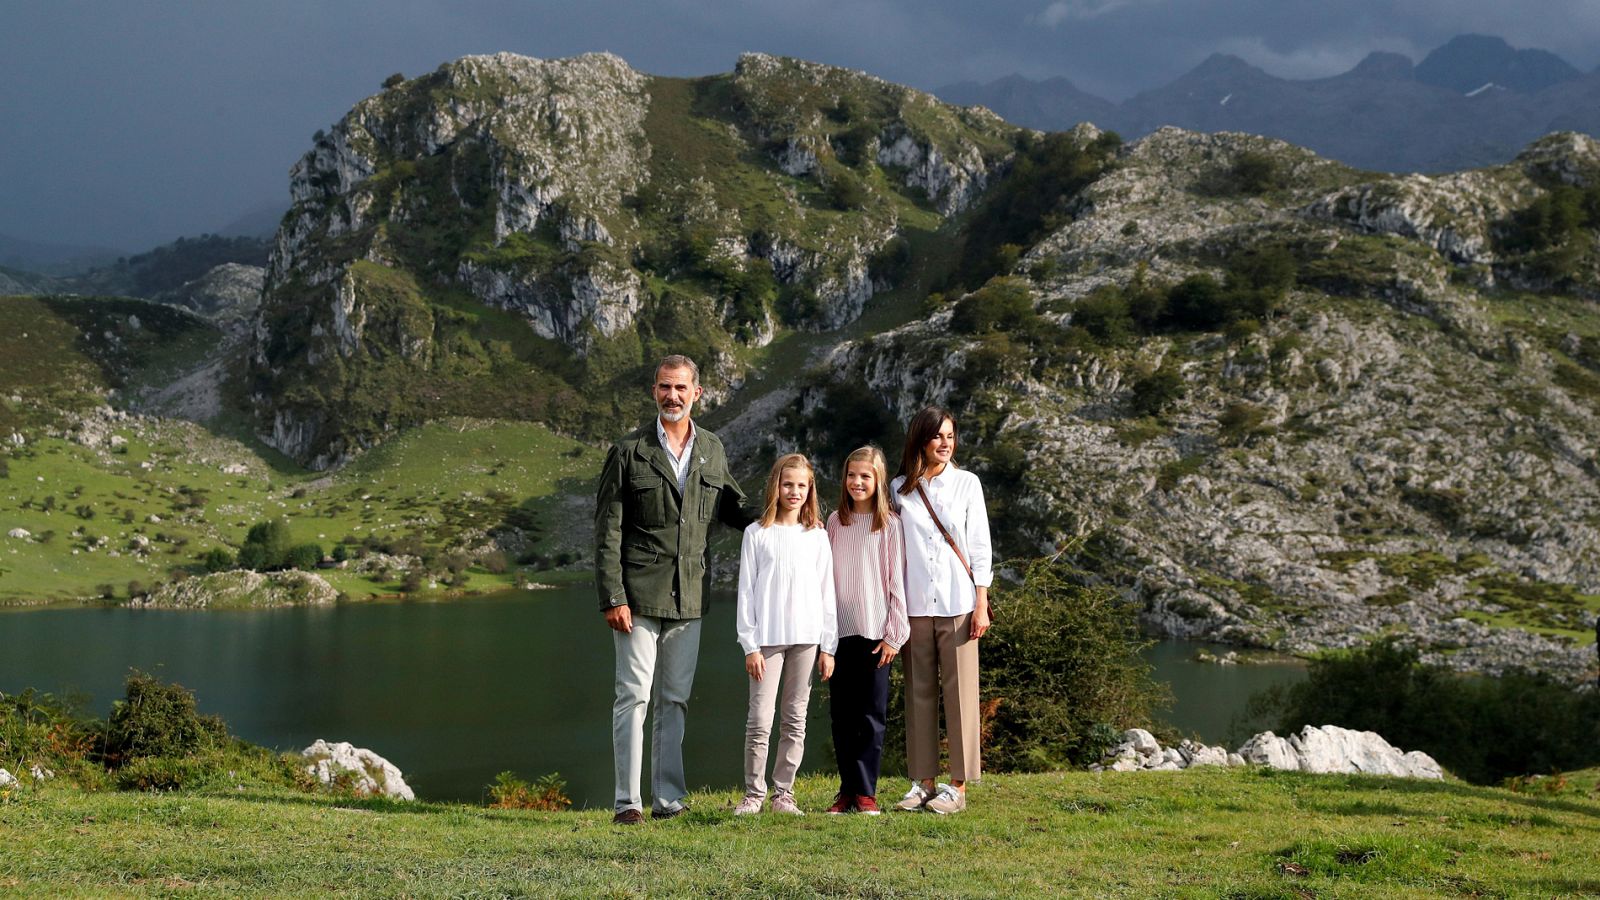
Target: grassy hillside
1203,833
185,491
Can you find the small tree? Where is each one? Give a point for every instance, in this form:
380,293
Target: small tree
394,81
266,547
1154,393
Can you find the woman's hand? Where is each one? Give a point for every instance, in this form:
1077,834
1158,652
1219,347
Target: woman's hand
756,665
825,665
980,615
886,653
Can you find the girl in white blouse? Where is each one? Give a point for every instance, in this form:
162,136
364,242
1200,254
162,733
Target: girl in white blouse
948,572
785,624
868,565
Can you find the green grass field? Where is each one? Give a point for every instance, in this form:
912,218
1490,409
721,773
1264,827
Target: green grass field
1203,833
441,483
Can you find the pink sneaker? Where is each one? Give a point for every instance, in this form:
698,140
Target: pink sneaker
783,802
749,805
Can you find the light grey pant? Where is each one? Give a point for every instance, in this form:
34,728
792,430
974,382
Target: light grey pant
791,664
655,666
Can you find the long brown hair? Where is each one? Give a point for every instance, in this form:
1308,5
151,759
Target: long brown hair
810,511
871,455
923,428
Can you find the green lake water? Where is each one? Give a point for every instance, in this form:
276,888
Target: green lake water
455,692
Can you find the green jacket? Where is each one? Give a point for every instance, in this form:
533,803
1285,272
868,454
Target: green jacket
650,544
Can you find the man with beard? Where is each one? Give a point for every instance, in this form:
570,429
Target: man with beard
660,490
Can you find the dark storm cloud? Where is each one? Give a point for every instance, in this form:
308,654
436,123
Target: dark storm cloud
132,123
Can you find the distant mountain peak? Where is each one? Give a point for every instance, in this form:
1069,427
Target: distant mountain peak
1384,66
1225,65
1468,62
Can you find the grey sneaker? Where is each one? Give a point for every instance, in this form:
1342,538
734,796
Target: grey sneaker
914,798
783,802
749,805
947,801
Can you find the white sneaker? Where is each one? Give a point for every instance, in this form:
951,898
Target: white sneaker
749,805
783,802
914,798
948,800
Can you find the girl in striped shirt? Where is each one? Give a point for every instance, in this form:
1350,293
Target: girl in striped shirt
868,559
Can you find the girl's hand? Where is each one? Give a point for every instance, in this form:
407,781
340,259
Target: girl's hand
980,615
756,665
886,653
825,665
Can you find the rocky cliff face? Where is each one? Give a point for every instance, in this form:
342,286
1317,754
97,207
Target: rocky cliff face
1403,446
611,215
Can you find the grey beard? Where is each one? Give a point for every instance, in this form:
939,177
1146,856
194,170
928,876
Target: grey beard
673,417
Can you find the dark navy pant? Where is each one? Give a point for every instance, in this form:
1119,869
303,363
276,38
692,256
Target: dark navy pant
858,699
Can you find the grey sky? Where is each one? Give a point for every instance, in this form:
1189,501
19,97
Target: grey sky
131,123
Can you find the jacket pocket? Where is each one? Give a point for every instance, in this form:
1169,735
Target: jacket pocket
710,496
647,500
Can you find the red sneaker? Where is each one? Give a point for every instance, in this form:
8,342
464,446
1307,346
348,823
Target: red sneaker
841,805
867,806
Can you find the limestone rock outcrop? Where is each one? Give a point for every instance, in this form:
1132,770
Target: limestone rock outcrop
1328,748
362,771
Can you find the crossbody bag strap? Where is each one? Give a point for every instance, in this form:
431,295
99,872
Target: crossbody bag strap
947,538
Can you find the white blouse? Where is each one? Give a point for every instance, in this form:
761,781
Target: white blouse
936,582
786,593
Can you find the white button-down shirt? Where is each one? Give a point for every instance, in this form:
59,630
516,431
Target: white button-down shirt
936,582
680,463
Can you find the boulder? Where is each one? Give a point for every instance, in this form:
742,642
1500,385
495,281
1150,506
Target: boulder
1267,749
7,779
1331,748
40,773
20,534
369,773
1143,741
1208,756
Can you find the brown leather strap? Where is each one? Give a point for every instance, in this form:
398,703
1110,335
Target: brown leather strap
947,538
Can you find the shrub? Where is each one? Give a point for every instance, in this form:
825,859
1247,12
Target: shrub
1004,304
547,793
1253,173
303,556
1062,670
217,559
394,81
495,562
158,719
1104,315
1156,392
412,582
340,554
1482,729
1239,422
45,729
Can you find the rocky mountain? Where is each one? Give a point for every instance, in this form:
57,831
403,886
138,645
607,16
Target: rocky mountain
1473,62
1474,101
518,237
16,281
1285,402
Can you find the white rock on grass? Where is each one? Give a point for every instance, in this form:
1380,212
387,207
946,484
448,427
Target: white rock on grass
40,773
370,774
1325,749
20,534
7,779
1267,749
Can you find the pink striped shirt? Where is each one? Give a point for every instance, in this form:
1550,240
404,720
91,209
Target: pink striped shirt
868,579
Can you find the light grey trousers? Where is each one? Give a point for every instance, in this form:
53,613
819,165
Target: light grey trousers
655,667
787,677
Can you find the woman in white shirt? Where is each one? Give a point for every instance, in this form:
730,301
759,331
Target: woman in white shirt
947,578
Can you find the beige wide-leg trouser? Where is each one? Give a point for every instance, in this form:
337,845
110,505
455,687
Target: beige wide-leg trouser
941,658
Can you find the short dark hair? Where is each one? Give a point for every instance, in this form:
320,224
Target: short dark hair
679,361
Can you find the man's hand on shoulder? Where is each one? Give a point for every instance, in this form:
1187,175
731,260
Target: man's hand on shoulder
620,618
